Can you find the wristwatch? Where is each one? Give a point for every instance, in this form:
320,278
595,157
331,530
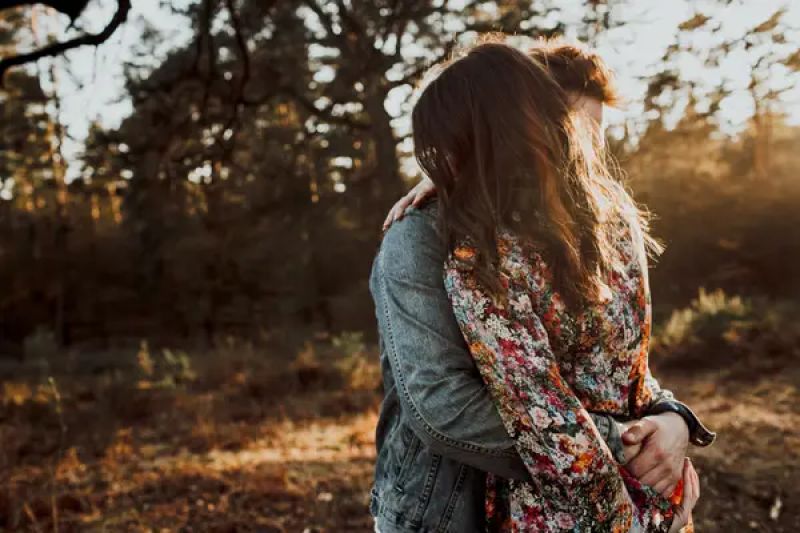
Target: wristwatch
699,435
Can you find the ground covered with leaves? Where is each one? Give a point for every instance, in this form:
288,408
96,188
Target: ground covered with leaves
241,438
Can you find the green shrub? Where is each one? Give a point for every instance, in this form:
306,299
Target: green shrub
708,317
717,330
359,369
166,370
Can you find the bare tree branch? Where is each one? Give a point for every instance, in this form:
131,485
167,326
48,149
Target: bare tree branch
238,99
88,39
324,18
325,114
244,53
71,9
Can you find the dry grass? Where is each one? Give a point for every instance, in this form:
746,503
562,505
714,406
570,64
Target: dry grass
231,440
244,439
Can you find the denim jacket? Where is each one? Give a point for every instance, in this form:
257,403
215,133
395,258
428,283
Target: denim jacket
438,432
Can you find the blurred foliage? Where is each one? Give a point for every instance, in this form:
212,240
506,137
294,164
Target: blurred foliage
235,213
282,438
41,345
168,369
356,362
243,195
709,318
724,226
730,334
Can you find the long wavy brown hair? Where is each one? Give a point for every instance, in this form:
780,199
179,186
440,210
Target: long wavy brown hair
495,132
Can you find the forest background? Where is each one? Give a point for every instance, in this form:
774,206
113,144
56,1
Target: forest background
191,195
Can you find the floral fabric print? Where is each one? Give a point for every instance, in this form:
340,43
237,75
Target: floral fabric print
545,368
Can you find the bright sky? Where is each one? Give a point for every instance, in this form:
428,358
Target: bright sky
92,86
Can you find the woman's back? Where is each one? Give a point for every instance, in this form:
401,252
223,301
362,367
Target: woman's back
601,348
546,366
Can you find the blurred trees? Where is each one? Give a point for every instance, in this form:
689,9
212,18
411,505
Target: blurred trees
722,226
31,211
726,207
73,9
245,190
766,51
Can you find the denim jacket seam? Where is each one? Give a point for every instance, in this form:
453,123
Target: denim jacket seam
404,389
410,455
427,491
444,523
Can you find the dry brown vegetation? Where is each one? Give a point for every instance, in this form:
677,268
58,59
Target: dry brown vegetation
236,439
281,438
228,203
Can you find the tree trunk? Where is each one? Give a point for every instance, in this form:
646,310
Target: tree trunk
387,184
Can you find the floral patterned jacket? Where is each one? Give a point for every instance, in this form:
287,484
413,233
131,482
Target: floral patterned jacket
545,367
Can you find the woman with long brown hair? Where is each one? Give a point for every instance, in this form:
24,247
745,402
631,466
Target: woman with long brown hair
547,276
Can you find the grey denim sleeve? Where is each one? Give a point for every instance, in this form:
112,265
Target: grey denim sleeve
611,431
659,394
438,383
448,406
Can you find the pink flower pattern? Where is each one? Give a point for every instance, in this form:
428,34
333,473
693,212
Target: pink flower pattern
545,368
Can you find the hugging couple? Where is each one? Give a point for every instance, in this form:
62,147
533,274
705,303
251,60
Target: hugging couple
514,315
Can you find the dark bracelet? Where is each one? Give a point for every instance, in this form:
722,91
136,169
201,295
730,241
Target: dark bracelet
699,435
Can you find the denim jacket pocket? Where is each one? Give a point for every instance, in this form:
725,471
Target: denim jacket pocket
405,501
408,459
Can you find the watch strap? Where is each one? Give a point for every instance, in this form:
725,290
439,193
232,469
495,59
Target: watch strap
699,434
